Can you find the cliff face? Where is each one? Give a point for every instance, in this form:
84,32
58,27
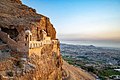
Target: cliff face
48,66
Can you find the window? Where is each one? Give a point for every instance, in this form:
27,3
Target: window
26,37
30,37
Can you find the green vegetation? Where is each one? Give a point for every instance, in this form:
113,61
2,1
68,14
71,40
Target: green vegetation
70,60
108,72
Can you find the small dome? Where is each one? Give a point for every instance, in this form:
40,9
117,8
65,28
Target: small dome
28,32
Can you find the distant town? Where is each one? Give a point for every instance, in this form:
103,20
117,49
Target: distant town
102,61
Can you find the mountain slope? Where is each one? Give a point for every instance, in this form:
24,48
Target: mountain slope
74,73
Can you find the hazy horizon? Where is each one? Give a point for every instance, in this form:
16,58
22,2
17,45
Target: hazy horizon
82,19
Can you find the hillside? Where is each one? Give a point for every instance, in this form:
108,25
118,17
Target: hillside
74,73
29,49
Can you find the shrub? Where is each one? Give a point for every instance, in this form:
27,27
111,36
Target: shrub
10,74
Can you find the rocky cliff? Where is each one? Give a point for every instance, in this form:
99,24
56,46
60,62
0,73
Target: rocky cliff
16,17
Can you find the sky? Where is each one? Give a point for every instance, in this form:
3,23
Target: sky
81,19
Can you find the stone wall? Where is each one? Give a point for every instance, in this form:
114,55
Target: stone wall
47,42
47,38
22,46
11,43
35,44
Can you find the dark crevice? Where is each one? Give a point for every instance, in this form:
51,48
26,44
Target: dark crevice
12,32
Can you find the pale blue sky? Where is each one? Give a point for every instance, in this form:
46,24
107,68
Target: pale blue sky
87,19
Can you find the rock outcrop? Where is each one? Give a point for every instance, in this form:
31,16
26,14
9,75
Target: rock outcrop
15,18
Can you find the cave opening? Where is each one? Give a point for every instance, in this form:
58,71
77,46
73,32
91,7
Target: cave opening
13,33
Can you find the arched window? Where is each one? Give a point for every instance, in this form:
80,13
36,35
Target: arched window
26,37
